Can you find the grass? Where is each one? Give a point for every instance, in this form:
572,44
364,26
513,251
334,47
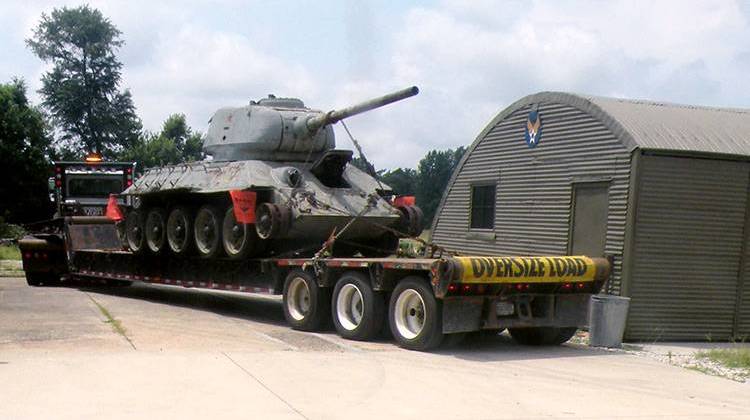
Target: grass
733,358
9,252
114,323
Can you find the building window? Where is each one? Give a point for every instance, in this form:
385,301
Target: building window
483,206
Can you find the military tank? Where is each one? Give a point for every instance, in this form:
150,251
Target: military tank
275,185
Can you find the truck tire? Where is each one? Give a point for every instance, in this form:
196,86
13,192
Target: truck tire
358,311
306,305
415,315
542,336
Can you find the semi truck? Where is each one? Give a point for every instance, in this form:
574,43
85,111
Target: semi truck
541,300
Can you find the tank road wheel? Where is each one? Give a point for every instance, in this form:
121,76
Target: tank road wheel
207,231
358,311
411,222
272,221
306,306
179,230
134,235
542,336
415,316
239,239
155,230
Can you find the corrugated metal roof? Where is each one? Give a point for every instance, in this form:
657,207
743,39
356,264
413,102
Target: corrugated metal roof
665,126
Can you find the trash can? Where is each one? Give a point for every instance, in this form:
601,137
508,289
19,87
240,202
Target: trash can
607,317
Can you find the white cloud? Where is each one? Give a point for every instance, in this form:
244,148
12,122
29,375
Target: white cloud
470,59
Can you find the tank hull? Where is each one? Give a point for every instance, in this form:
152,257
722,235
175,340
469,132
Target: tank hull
315,210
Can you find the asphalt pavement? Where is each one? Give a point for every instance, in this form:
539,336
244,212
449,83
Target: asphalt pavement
158,352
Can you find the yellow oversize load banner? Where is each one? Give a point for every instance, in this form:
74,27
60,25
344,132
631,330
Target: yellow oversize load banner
526,269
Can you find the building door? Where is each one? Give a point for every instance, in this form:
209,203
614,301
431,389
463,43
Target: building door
588,232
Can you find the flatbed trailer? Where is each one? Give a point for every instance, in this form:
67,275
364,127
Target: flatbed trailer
541,300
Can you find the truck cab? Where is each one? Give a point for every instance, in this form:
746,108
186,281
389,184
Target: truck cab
79,189
83,188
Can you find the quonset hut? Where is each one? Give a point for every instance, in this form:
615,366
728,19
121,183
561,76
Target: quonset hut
662,188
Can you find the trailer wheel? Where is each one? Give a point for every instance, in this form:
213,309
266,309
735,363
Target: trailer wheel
415,316
306,305
134,232
358,311
155,230
207,231
179,230
239,239
542,336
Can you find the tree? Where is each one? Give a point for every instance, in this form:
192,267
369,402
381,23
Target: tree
24,145
433,173
81,91
175,143
402,180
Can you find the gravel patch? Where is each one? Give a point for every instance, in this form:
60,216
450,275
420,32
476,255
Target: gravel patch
684,355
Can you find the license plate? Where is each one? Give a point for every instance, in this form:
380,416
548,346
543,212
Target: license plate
92,211
504,308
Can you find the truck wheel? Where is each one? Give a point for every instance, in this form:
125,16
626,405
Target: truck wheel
207,231
179,230
306,305
542,336
358,311
134,232
155,229
415,316
239,239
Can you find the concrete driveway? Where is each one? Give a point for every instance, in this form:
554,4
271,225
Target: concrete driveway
160,352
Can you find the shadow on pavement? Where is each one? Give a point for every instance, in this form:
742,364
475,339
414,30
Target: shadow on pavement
263,309
479,346
486,347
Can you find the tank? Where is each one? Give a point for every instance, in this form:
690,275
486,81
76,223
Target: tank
274,185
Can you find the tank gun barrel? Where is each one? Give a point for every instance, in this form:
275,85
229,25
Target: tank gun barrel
335,116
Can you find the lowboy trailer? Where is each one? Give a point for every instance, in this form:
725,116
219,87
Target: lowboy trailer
541,300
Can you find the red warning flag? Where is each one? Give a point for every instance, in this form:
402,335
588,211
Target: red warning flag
113,210
404,200
244,205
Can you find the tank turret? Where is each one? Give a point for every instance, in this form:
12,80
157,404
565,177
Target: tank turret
275,186
281,129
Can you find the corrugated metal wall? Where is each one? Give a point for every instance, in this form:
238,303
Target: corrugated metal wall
533,199
743,314
688,240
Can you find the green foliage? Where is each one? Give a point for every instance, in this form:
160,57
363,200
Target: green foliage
11,231
433,173
81,90
402,180
9,252
175,143
24,144
734,358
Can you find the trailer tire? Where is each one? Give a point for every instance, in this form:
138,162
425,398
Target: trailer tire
415,315
542,336
306,305
358,311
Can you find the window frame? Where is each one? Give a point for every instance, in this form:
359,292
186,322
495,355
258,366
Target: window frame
473,187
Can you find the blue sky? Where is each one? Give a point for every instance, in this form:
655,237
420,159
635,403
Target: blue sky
469,58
